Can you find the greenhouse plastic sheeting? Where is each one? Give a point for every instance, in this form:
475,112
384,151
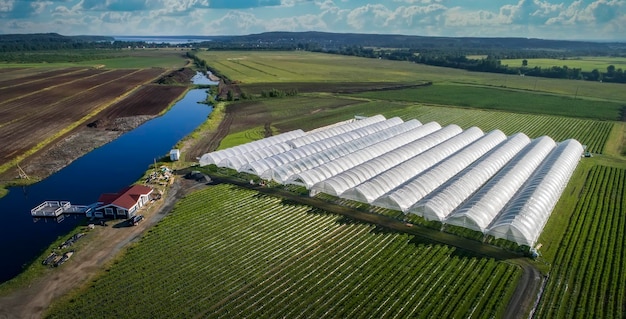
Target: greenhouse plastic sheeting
341,182
218,156
440,203
319,135
524,217
478,212
238,161
323,172
282,173
403,197
381,184
262,165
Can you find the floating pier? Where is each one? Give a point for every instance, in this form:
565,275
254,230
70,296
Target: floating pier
54,208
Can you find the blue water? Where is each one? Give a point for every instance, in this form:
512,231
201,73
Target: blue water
103,170
163,39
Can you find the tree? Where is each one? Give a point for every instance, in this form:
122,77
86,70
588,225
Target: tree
610,70
524,63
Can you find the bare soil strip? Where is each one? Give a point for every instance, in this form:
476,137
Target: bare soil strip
11,79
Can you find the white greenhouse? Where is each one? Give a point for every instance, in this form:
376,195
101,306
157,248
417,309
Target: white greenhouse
478,212
282,173
217,156
524,217
339,183
262,165
381,184
440,203
402,198
498,186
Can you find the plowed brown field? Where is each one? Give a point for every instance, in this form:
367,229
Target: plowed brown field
29,120
143,102
28,75
21,89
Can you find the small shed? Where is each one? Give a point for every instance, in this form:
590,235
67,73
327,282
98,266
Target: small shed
175,154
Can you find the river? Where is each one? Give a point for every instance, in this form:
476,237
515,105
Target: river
104,170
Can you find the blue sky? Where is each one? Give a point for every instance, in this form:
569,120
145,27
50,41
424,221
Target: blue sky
550,19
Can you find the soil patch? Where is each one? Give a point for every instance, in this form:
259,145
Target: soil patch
180,76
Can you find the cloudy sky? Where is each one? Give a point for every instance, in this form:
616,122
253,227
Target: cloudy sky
551,19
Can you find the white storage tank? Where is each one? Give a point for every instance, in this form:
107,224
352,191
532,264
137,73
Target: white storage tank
174,154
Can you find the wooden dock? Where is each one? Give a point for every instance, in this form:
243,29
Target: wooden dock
53,208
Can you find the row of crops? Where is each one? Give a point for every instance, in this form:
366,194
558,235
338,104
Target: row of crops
592,133
588,277
233,253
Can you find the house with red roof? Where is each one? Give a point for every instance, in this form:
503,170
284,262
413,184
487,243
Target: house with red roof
123,204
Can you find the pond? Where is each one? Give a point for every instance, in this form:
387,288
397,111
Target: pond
104,170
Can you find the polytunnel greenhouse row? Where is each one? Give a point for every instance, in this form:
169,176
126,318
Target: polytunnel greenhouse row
502,186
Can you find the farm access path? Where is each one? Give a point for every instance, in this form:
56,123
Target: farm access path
525,293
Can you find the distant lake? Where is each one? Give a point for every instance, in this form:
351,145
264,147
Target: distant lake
161,39
104,170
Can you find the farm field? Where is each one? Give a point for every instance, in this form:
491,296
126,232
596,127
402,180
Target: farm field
282,67
244,254
515,101
167,58
588,279
142,101
585,63
22,128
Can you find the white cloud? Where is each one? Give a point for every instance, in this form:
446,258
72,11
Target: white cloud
372,15
40,6
6,5
600,11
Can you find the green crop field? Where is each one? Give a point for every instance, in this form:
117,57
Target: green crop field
501,99
310,112
112,59
280,67
587,63
588,278
234,253
594,134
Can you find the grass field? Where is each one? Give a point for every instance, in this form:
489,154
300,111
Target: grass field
243,254
506,100
273,67
114,59
586,63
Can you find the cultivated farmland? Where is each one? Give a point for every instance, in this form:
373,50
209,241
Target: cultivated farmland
504,100
268,68
76,100
588,280
243,254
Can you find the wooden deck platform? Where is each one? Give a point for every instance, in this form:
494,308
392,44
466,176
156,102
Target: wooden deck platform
52,208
